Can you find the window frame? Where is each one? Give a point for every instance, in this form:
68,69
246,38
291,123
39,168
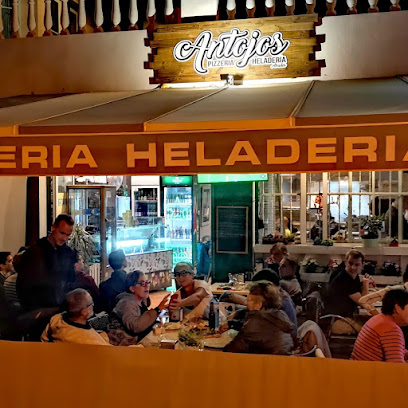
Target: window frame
373,176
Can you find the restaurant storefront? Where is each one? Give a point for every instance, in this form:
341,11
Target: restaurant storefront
331,149
325,173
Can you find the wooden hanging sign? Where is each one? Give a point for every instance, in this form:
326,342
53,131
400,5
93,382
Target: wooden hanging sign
276,47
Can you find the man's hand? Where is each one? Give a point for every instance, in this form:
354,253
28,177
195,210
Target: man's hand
368,280
223,328
163,304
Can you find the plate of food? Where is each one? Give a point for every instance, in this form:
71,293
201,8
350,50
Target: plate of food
172,326
217,342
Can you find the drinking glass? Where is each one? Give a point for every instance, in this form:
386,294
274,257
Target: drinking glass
200,344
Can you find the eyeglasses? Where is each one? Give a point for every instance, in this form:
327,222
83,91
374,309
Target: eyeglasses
181,273
91,304
144,283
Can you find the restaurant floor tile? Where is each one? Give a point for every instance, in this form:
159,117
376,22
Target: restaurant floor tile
156,297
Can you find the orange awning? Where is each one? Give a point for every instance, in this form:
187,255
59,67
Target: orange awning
293,126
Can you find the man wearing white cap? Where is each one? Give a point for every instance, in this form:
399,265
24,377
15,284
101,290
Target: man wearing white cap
194,295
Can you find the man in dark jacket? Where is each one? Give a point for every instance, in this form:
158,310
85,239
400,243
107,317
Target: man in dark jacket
116,284
46,270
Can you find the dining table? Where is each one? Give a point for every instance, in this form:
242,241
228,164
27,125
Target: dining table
220,288
210,342
364,312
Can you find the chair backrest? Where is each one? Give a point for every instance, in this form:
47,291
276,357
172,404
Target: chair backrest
341,345
310,335
328,329
312,306
310,353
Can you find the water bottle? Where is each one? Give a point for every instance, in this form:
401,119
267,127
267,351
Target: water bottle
214,317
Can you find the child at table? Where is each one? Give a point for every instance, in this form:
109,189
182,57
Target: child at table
266,329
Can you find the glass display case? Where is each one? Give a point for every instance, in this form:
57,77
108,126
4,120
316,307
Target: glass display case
146,203
94,207
142,238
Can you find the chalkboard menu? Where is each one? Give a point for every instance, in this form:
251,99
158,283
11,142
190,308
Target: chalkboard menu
232,229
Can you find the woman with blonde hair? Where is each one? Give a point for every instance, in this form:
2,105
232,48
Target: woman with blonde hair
266,330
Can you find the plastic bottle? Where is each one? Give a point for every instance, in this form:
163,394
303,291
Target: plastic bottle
175,315
214,317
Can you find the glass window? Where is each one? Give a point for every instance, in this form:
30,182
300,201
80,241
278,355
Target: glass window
350,197
314,205
280,204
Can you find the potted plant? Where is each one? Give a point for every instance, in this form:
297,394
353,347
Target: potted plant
391,269
310,265
371,226
82,242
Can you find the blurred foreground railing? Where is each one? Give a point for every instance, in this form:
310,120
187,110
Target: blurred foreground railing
62,18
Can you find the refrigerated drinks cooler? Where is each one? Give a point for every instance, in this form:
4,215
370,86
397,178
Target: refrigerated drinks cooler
178,212
94,207
146,204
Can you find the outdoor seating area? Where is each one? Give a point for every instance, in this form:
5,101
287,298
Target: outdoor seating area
204,203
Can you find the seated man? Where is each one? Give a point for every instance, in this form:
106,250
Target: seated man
266,329
9,304
86,282
278,253
116,284
381,338
6,266
345,292
289,283
194,295
72,326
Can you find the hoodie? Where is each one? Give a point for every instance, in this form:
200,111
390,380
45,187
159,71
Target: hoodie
137,320
62,330
266,331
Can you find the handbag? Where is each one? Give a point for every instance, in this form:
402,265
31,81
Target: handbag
99,321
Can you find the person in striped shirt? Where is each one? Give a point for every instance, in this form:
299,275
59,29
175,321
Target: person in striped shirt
381,338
